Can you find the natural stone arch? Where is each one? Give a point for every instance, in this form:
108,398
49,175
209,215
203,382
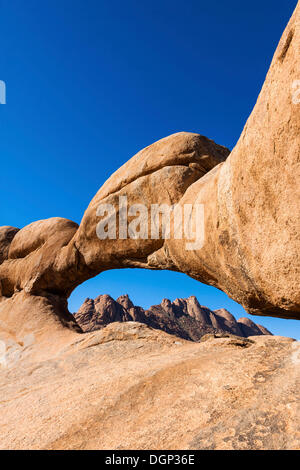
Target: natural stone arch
251,199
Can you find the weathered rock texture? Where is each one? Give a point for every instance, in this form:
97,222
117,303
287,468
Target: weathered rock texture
128,386
185,318
251,199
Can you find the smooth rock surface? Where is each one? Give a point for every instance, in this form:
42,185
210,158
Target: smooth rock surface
128,386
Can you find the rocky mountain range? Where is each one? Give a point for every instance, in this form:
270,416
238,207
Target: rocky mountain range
185,318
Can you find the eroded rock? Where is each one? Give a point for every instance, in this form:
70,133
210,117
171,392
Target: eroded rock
185,318
251,202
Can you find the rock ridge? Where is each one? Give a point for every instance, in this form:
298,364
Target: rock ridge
184,318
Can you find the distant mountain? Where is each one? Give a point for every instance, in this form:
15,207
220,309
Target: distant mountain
185,318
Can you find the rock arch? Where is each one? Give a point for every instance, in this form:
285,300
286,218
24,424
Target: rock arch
251,198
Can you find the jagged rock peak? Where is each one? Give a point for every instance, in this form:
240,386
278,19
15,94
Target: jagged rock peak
125,301
185,318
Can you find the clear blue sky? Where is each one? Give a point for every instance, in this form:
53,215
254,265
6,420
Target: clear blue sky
91,82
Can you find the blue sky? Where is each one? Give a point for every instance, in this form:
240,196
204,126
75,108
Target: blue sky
91,82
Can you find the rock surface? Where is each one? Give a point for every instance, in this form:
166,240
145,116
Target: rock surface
6,235
128,386
185,318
